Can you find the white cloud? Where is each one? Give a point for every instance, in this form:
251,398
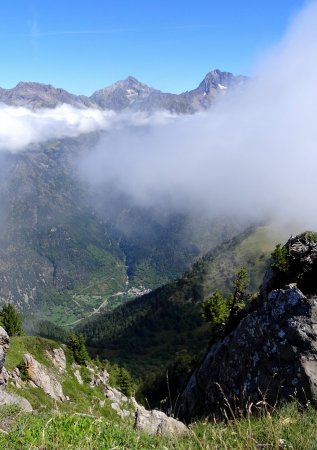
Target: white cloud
20,127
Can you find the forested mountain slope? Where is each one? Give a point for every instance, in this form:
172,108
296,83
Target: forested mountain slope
146,333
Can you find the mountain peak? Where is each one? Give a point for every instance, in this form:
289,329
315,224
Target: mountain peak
121,94
128,93
39,95
219,80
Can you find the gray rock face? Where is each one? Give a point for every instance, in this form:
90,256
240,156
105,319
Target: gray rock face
4,345
37,95
39,375
156,422
270,356
121,94
119,402
100,378
129,94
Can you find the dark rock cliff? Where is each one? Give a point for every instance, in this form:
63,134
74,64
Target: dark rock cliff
271,355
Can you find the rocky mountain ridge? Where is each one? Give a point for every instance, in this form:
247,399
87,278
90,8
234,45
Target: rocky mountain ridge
125,95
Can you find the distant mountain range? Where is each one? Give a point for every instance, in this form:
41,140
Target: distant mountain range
68,251
128,94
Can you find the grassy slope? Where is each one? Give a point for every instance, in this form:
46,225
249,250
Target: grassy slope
285,428
83,398
145,334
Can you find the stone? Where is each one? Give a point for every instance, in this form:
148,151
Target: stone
41,377
58,358
156,422
10,399
15,377
113,394
78,376
123,405
119,410
100,379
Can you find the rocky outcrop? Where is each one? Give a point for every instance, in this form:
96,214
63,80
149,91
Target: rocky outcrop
119,402
300,266
78,376
151,422
4,345
15,377
270,357
100,378
156,422
5,397
58,358
40,376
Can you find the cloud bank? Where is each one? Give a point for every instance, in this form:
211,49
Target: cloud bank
20,127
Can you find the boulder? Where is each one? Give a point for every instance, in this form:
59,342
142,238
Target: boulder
156,422
10,399
270,357
41,377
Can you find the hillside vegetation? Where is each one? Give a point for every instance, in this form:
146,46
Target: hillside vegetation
80,423
289,428
146,333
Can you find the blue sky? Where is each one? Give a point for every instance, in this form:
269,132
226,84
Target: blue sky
84,45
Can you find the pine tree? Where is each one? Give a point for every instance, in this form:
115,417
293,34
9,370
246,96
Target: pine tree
11,320
125,382
215,309
280,259
77,345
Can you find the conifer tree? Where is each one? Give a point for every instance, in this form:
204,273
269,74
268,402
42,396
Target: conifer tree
77,345
11,320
